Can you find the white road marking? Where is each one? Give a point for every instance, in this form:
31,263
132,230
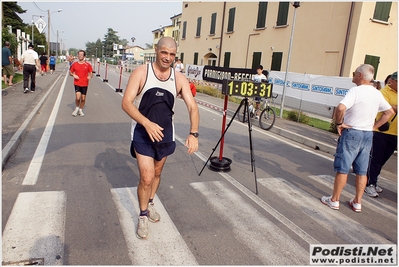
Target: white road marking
36,163
165,246
35,228
12,144
262,236
334,221
350,191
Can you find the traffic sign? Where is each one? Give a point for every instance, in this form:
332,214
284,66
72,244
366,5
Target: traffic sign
40,25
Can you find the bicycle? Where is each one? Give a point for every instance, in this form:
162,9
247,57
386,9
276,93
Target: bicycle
267,115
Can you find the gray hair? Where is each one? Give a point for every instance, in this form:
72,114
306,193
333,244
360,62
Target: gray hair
7,43
367,71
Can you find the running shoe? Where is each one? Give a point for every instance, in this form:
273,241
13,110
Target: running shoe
81,114
142,227
356,207
26,90
371,191
75,112
153,215
332,204
378,189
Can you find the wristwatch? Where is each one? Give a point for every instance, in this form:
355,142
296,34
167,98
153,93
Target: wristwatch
196,134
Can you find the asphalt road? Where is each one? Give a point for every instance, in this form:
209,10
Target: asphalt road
69,193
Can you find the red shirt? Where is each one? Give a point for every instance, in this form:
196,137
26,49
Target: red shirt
82,70
193,89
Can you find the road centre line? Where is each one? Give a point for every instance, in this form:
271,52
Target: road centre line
36,163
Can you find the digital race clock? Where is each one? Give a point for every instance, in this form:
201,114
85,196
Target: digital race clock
247,88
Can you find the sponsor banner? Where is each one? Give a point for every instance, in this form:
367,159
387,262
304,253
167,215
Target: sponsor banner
375,254
326,90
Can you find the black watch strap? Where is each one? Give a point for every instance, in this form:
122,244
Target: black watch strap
195,134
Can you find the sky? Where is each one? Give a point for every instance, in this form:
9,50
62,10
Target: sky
86,21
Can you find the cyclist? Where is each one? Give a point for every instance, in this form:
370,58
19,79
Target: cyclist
258,77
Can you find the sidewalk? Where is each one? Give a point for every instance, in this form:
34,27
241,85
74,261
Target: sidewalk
19,108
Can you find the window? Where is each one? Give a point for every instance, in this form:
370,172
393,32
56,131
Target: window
373,61
282,13
198,33
381,11
213,24
195,58
230,26
262,10
256,58
184,30
276,61
226,63
182,57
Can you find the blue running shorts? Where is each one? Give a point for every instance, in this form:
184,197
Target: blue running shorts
156,151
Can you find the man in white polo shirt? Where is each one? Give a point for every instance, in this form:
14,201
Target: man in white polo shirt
30,61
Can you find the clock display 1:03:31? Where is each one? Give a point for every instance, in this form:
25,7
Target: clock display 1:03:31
247,88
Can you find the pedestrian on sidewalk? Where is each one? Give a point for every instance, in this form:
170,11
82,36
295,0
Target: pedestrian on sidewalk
355,120
52,63
385,141
149,100
30,62
43,63
6,63
82,72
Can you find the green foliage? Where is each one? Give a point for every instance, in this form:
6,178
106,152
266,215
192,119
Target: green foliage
293,116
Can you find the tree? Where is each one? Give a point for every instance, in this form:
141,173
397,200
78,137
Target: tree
11,18
110,39
10,15
148,46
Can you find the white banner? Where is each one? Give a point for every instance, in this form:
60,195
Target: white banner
326,90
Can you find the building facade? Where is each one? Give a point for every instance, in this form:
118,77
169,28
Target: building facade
323,38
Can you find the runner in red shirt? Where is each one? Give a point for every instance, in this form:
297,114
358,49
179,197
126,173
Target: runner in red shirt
82,72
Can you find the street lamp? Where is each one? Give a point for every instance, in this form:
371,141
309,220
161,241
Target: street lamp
296,5
48,30
57,46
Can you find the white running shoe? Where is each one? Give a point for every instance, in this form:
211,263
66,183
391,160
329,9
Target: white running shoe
81,114
75,112
332,204
356,207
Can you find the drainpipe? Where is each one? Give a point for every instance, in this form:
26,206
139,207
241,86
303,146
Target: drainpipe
246,58
221,34
348,30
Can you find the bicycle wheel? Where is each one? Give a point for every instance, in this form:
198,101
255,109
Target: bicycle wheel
267,118
242,114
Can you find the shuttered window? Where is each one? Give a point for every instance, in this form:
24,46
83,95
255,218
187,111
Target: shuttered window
282,16
226,63
276,61
213,24
262,10
232,13
198,33
381,11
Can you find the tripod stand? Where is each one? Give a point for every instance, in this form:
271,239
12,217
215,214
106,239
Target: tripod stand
220,165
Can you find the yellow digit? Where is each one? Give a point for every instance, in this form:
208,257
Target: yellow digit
250,89
262,90
231,87
243,88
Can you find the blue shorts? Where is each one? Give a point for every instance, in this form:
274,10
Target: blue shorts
156,151
353,149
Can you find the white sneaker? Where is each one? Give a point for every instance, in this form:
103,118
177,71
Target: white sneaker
356,207
371,191
26,90
75,112
81,114
332,204
142,227
378,189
